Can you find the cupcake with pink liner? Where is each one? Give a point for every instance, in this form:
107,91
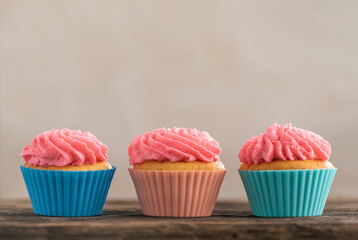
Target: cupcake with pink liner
286,172
176,172
67,173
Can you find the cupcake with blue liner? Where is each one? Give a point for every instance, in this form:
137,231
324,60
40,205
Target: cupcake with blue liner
67,173
286,172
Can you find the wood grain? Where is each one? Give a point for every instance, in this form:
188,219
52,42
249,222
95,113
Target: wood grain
230,220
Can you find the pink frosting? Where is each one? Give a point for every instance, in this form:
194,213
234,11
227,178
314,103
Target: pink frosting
176,144
61,147
284,143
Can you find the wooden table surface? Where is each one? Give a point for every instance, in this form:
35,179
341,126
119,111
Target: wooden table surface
230,220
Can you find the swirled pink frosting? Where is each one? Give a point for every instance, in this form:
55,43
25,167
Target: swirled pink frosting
176,144
284,143
61,147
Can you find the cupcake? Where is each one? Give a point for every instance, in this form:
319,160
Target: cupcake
67,173
176,172
286,172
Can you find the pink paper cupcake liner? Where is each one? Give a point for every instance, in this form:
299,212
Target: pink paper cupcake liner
177,193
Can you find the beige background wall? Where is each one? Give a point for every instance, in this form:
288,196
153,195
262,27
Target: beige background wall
120,68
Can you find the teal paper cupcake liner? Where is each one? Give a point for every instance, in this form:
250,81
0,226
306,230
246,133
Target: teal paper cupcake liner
287,193
67,193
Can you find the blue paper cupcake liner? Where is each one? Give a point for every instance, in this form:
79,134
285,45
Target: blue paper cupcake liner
287,193
67,193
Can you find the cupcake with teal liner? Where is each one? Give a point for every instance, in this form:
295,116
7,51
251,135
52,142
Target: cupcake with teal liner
286,172
67,173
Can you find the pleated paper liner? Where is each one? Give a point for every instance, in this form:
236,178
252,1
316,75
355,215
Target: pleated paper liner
287,193
178,193
67,193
